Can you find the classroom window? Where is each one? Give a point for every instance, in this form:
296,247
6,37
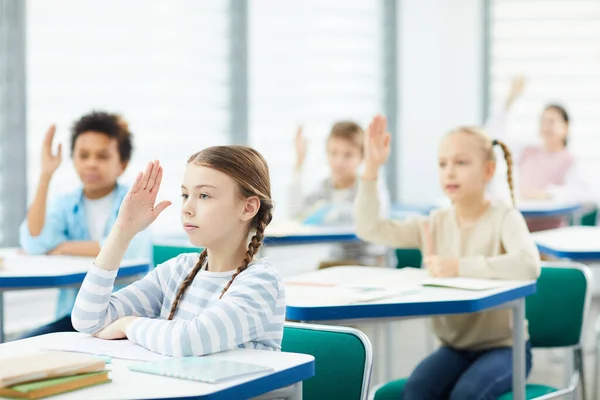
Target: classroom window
555,44
163,64
311,63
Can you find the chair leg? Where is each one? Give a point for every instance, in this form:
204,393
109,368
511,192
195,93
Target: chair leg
596,365
579,367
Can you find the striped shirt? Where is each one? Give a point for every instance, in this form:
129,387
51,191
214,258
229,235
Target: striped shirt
249,315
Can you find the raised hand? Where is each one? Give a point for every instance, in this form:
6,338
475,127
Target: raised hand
377,146
50,162
139,208
517,87
301,147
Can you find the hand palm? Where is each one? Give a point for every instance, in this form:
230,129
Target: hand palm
518,85
139,208
301,146
50,162
377,141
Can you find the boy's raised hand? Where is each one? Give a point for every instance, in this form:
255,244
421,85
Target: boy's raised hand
301,147
377,146
50,162
139,208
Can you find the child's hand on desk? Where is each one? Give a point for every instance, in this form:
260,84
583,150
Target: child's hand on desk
116,330
139,208
441,267
437,266
57,251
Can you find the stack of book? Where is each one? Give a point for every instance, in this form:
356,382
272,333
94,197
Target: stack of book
43,374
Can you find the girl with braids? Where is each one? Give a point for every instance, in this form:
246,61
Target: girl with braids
194,304
474,238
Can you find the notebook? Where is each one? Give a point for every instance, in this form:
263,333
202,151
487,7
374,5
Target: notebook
200,369
51,387
45,365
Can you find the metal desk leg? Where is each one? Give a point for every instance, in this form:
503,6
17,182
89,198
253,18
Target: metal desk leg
389,351
1,317
519,375
596,365
297,394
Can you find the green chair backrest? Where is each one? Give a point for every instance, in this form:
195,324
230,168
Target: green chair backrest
162,253
409,258
590,218
557,311
343,360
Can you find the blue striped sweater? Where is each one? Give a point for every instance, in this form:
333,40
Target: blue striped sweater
249,315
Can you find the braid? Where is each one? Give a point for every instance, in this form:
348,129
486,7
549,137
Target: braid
186,283
509,167
253,247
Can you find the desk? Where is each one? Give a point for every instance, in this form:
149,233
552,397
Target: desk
281,235
529,209
425,302
546,209
22,272
289,369
403,211
577,243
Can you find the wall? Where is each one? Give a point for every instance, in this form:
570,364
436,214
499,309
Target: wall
441,73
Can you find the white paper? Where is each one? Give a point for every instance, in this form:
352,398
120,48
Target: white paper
465,283
302,295
119,349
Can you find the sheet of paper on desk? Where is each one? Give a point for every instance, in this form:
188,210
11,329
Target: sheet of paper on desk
465,283
120,349
298,295
409,277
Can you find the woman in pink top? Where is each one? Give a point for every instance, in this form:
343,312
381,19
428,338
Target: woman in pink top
544,171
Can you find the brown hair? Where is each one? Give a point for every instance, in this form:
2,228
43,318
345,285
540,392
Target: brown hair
112,125
349,131
563,115
487,145
249,169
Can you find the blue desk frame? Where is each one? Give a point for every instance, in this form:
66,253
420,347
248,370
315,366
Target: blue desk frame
513,298
291,240
556,212
401,210
9,283
413,309
259,386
